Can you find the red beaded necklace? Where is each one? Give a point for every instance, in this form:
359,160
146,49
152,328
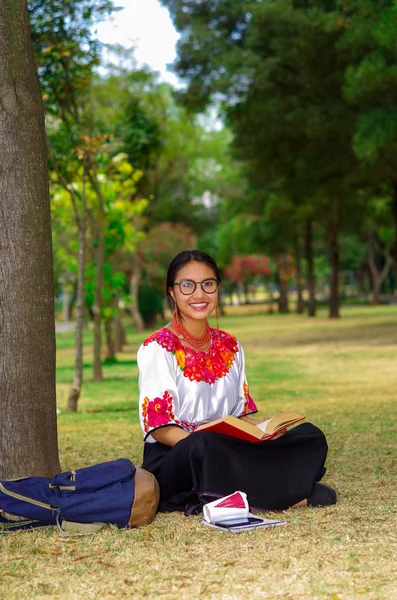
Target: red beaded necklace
198,343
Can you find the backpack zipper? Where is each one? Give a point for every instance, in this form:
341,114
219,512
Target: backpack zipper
26,499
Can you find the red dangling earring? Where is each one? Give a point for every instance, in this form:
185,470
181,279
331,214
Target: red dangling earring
175,316
217,321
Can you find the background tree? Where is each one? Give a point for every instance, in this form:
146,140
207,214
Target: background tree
66,54
28,439
369,44
280,70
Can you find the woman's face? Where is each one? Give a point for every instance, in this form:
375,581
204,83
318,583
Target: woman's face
199,305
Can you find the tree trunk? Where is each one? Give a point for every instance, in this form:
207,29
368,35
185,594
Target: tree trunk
73,299
75,390
300,306
377,276
394,213
246,293
28,432
333,239
110,341
120,335
283,284
134,286
269,288
65,303
97,308
310,278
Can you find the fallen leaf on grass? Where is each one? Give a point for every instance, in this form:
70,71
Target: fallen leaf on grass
82,555
42,550
78,555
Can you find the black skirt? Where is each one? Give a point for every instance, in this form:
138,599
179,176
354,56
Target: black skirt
204,466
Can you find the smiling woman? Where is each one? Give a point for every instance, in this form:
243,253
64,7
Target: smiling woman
191,374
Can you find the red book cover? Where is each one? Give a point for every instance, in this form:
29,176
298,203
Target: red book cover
235,427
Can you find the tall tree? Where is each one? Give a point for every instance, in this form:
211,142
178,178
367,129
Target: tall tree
67,52
280,73
28,438
369,44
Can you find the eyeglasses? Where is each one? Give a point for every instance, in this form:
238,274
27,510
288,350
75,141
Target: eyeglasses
188,286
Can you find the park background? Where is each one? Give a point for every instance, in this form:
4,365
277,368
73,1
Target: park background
274,151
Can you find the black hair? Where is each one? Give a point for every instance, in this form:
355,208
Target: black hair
180,261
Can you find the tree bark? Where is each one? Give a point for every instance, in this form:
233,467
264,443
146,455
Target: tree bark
65,303
333,240
28,432
134,286
75,390
283,284
120,335
300,306
97,308
394,213
110,340
310,278
269,288
109,332
100,260
378,276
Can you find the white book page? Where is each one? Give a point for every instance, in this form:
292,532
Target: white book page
262,426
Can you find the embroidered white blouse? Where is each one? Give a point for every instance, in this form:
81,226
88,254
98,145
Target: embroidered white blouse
185,387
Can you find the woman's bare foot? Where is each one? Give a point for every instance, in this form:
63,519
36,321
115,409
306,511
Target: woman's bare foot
301,503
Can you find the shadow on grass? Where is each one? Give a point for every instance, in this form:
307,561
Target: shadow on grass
120,363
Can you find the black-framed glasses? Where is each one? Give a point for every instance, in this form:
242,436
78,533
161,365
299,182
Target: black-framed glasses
188,286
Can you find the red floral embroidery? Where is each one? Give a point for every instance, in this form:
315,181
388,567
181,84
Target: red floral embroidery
200,366
249,404
157,412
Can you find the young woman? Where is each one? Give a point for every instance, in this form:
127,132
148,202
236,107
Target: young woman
190,374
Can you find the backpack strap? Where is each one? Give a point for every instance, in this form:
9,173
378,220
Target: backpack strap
82,527
27,499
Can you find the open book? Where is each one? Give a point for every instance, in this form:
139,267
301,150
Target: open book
235,427
231,513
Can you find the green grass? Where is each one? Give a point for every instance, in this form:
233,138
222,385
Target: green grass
342,375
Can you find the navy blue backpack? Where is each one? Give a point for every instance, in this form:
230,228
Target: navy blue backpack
82,500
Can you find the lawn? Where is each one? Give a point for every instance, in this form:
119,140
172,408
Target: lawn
342,375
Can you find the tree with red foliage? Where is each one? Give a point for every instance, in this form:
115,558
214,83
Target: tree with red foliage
246,269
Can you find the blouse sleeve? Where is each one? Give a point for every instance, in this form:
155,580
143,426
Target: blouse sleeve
158,392
246,405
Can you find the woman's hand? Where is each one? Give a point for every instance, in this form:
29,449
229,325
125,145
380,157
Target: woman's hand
169,435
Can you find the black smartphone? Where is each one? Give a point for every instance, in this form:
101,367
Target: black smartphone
239,522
